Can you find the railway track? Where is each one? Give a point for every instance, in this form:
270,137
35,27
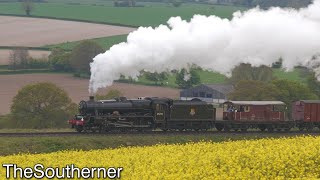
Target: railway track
52,134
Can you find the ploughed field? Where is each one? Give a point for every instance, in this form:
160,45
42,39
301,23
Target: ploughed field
76,88
33,32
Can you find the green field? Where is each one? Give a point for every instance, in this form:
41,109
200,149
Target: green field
105,42
295,75
150,15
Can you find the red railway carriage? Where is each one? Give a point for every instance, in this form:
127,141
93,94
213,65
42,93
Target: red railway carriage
306,114
254,114
254,111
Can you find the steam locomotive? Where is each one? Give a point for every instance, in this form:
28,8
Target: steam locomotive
150,113
143,114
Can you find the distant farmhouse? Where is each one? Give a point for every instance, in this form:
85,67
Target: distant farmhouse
215,93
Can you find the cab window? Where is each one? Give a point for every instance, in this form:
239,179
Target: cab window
159,107
79,117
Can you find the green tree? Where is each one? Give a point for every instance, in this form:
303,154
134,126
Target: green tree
247,72
113,93
59,60
313,84
186,80
42,105
27,6
156,77
290,91
82,55
250,90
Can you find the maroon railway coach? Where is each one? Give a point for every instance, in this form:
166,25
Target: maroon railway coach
306,114
241,115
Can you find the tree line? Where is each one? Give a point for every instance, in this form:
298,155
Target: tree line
45,105
258,84
59,60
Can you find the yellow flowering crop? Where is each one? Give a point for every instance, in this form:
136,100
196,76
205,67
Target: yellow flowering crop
284,158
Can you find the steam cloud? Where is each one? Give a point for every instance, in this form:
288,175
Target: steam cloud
259,37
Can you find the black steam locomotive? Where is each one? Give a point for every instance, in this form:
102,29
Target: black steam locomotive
143,114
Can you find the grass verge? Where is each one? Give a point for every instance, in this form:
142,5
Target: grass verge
15,145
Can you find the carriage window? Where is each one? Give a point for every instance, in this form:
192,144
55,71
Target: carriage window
278,108
202,94
195,94
225,107
209,95
247,109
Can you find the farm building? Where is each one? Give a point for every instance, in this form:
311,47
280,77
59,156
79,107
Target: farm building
216,93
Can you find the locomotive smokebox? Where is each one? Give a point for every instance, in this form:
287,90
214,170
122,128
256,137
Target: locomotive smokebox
91,98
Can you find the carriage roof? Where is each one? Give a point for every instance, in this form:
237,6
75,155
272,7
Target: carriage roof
310,101
258,103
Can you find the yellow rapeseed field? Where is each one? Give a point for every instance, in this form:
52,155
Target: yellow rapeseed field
284,158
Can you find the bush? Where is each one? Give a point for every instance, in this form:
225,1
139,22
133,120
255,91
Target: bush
59,60
6,121
38,63
176,3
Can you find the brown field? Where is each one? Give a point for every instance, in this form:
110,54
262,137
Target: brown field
75,87
33,32
5,54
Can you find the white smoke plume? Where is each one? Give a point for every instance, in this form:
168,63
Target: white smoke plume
259,37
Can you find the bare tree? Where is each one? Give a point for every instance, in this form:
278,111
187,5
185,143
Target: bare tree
27,6
19,58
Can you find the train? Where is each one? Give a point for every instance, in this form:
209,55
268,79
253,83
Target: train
165,114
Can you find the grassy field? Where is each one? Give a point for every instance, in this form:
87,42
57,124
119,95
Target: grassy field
151,15
208,77
43,144
295,75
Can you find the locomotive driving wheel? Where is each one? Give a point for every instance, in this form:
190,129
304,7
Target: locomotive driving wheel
219,127
79,128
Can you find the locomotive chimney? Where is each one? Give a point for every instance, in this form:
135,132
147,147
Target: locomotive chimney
91,98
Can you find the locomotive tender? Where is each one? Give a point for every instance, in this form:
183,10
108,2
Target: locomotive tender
150,113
